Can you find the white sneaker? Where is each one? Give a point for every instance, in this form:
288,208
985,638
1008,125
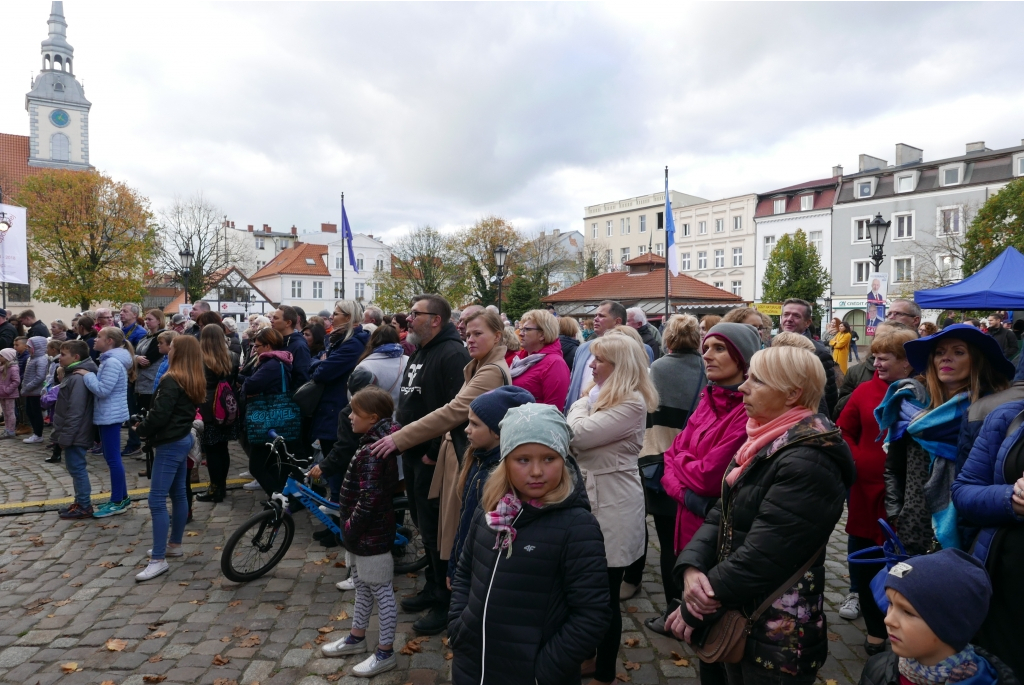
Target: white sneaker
171,552
245,474
327,511
32,439
374,665
154,569
347,584
850,609
341,648
252,485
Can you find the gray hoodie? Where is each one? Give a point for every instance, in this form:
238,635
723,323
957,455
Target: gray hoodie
72,417
35,368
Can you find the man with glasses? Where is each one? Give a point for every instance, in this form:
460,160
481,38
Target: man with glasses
905,312
609,314
433,377
796,318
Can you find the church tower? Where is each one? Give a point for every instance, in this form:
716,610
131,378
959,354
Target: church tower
57,109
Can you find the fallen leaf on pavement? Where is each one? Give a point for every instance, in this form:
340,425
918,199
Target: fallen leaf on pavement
831,682
108,682
62,602
341,617
681,662
183,584
239,631
192,534
109,526
339,564
226,638
78,584
220,660
632,642
444,641
234,603
623,677
334,677
279,607
153,636
448,656
218,548
413,646
412,575
65,575
631,610
225,681
320,639
308,645
115,645
154,678
197,601
677,655
70,667
325,629
250,641
631,665
155,659
833,637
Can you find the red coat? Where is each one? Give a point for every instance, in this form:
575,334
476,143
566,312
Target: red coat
697,459
548,379
867,496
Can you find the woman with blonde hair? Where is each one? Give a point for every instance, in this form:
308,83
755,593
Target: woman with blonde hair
539,367
217,368
570,337
608,425
782,495
510,339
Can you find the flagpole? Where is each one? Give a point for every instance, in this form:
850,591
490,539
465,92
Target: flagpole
667,248
344,261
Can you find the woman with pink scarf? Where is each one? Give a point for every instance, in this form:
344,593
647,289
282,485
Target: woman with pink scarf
782,495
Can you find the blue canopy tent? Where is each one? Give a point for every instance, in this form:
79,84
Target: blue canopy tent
998,286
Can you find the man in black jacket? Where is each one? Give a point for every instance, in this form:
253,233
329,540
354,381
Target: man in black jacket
1004,336
7,331
432,379
284,319
796,318
34,327
637,318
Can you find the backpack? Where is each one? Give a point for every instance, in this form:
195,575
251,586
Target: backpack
225,404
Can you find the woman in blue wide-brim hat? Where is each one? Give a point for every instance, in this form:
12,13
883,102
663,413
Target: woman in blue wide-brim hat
921,419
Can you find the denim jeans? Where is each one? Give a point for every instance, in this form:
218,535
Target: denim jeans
169,473
74,462
110,439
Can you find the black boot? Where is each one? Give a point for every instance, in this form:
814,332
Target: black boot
424,599
213,494
53,459
435,621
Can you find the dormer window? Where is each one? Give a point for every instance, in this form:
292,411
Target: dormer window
864,189
58,87
950,177
904,184
780,206
806,202
1018,164
310,262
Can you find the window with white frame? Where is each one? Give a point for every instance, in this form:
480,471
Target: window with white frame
641,250
339,260
608,228
260,264
861,271
337,290
379,264
719,225
296,288
686,230
737,288
719,259
864,189
593,230
608,257
719,284
624,254
360,291
904,184
702,228
1019,166
951,177
624,225
737,223
659,249
283,245
949,221
60,148
318,290
779,206
359,263
737,256
769,245
702,260
860,230
259,243
814,238
643,223
806,202
950,267
903,227
684,261
902,269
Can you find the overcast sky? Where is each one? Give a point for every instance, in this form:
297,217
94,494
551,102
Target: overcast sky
442,113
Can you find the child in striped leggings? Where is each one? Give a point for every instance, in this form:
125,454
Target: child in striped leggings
368,532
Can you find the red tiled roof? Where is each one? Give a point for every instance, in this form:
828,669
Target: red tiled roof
626,287
824,194
14,166
293,262
649,258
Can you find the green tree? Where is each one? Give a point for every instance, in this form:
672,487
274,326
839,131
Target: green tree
476,245
425,261
997,225
794,270
90,238
521,295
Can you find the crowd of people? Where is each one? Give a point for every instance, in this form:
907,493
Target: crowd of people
532,453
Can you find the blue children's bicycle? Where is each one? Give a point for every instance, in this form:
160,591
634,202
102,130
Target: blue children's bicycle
262,541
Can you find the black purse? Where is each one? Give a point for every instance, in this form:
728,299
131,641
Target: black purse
652,468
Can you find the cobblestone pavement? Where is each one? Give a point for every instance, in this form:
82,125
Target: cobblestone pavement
71,611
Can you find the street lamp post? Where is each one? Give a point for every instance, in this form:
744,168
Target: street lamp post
500,253
878,228
186,265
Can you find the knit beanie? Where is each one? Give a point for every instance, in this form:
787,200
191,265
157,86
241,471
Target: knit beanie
537,423
741,339
950,589
492,405
9,354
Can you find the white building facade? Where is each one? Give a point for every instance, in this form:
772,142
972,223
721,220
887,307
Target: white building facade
716,241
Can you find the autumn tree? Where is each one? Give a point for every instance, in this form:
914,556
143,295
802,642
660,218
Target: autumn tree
197,224
997,225
794,270
476,245
425,261
90,238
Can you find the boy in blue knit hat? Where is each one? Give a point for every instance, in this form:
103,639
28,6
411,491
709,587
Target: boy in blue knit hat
937,603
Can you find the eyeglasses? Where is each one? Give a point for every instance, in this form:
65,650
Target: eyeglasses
524,329
414,314
893,313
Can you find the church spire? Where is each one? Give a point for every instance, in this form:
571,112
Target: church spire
57,52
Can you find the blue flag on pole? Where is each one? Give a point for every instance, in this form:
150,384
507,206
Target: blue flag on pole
346,237
670,232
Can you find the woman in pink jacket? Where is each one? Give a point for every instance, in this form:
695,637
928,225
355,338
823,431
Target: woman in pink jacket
539,366
696,461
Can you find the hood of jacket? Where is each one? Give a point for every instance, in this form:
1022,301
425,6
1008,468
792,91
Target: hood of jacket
86,365
488,458
722,400
568,342
120,354
447,332
283,356
817,432
578,498
37,345
381,429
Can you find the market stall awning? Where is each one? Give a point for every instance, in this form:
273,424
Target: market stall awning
998,286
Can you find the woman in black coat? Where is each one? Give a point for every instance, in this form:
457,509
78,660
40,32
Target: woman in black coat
270,375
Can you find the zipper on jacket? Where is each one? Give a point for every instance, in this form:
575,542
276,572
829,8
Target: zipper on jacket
487,598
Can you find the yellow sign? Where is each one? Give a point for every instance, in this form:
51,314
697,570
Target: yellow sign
769,308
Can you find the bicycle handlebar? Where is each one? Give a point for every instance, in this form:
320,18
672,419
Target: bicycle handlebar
272,434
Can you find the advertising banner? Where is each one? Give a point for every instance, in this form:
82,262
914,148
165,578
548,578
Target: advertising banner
875,308
13,242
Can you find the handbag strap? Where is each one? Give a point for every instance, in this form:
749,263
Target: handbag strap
785,586
284,388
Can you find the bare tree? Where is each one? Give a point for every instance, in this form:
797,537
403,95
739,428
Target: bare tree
591,261
544,258
425,261
939,261
196,224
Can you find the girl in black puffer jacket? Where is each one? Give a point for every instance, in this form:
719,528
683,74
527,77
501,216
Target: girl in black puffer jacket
530,595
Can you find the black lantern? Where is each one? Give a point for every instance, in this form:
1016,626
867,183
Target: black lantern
500,253
878,228
186,265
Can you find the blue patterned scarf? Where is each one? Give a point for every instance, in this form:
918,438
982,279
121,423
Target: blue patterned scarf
961,666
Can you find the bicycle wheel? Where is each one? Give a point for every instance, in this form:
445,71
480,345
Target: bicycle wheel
257,546
409,557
